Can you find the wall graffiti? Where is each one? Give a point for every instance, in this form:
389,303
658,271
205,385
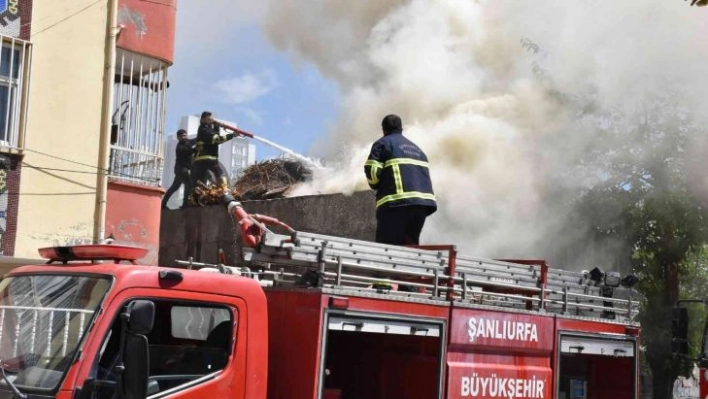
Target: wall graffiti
9,186
3,204
10,17
77,234
133,217
132,17
133,232
148,27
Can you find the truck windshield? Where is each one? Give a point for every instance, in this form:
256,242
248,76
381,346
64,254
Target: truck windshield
43,319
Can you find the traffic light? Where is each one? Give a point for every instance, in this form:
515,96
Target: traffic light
679,331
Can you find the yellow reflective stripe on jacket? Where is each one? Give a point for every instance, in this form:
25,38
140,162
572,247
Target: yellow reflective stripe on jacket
203,157
411,194
373,177
374,180
405,161
217,139
397,178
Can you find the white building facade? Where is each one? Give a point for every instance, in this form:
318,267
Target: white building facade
236,155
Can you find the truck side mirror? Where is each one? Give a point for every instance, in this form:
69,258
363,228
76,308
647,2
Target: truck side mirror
136,358
679,331
141,317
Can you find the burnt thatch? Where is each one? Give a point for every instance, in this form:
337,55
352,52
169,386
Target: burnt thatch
270,179
264,180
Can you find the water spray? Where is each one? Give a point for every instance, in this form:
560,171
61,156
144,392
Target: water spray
279,147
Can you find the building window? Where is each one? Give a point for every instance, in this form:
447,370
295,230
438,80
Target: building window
15,58
138,123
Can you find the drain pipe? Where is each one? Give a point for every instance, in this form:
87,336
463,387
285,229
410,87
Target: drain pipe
112,29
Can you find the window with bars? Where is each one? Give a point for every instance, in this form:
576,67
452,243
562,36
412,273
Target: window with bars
15,58
138,123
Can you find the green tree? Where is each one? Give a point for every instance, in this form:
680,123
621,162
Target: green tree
639,193
693,281
642,196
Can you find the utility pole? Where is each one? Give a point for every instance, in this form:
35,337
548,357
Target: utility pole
112,29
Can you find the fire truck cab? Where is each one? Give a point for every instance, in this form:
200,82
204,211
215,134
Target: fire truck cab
314,316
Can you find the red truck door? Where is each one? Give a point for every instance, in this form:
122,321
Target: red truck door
194,347
596,366
369,355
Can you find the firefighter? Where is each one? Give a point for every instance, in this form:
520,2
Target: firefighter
206,154
398,170
183,162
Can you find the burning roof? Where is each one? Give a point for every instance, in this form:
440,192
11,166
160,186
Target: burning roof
269,179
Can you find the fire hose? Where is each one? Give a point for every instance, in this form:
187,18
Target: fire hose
699,3
237,131
252,226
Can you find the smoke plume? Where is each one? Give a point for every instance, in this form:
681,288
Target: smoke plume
472,82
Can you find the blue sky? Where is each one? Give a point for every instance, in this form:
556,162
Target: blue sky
223,63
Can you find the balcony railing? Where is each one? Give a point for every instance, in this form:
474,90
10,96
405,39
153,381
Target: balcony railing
138,124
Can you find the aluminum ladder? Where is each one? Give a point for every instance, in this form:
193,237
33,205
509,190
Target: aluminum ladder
436,272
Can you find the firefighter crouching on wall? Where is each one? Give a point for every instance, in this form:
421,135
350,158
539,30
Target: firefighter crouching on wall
398,170
206,153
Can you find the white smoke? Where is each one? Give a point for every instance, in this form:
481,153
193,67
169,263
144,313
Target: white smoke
458,75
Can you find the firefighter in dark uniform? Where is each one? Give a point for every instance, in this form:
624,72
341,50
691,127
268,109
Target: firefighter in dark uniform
183,162
206,153
398,170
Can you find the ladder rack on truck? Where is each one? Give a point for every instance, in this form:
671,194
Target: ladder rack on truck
356,267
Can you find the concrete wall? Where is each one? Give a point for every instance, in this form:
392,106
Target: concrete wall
200,232
64,120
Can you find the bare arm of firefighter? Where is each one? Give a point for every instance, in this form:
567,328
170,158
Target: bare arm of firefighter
374,165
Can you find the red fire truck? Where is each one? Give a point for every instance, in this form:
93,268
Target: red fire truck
314,316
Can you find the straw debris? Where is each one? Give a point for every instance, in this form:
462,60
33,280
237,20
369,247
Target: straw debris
269,179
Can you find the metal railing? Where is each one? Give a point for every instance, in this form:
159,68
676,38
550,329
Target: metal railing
137,139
